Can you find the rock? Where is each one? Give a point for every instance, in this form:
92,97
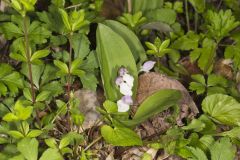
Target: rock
88,103
152,82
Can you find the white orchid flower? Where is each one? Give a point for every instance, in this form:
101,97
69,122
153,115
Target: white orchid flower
128,79
122,106
147,66
125,89
122,71
119,80
127,99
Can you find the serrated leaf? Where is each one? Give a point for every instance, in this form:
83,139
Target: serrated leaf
218,147
34,133
42,96
222,108
29,148
81,46
163,15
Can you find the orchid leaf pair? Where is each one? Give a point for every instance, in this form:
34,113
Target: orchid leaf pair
161,48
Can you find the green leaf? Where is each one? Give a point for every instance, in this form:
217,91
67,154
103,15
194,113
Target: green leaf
154,104
51,142
29,148
89,81
75,64
233,52
222,150
110,106
215,80
111,58
37,33
34,133
62,66
222,108
27,94
10,30
42,96
220,24
39,54
9,117
81,45
131,39
16,134
65,19
186,42
163,15
53,153
199,5
21,112
195,125
9,80
120,136
37,71
69,139
145,5
233,133
197,154
55,87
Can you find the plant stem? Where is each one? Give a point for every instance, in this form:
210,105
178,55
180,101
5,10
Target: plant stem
187,15
28,55
69,79
196,21
92,143
129,5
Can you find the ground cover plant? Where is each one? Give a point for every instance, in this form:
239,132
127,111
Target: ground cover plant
119,79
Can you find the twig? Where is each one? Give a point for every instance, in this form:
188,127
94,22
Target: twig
187,16
196,21
92,143
129,4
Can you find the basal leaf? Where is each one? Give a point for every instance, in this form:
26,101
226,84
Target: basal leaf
111,58
120,136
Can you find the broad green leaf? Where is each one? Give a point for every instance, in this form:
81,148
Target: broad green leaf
10,80
51,142
197,154
154,104
37,33
53,153
34,133
62,66
222,108
55,87
233,133
110,106
37,71
199,5
16,134
89,81
233,52
186,42
163,15
120,136
222,150
9,117
145,5
111,58
131,39
10,30
22,112
81,45
42,96
219,24
214,80
75,64
27,94
29,148
195,125
39,54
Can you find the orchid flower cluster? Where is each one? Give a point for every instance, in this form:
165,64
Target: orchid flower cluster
125,82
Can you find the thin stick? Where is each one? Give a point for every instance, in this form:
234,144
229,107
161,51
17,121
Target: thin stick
129,2
92,143
28,55
187,16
